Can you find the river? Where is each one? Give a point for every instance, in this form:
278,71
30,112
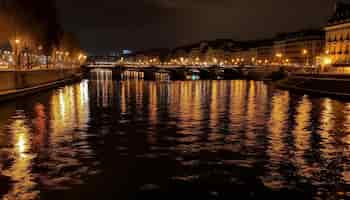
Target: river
135,139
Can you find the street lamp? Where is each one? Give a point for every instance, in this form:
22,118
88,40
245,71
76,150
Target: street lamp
279,56
17,54
253,60
305,53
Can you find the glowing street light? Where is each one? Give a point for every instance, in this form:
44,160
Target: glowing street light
279,56
326,61
182,60
304,52
17,53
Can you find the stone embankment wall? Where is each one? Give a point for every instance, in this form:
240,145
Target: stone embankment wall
16,80
322,84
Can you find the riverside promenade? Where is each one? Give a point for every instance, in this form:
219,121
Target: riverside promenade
15,83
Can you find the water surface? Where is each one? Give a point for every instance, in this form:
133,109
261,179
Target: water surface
106,139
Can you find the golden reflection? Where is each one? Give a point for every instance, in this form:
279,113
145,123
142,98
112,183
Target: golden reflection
302,135
217,108
81,111
197,105
153,102
123,101
84,92
327,124
277,126
153,111
21,144
185,107
62,104
251,115
48,127
139,95
20,171
214,111
346,172
174,103
104,87
237,105
69,107
61,110
347,123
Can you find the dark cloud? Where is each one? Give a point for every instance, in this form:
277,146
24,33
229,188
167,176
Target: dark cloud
106,25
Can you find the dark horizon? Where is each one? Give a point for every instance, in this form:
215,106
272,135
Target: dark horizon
106,26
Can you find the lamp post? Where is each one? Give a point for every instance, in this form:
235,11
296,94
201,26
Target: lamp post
305,53
279,56
66,57
17,53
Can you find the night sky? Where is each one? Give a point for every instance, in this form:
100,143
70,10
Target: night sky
107,25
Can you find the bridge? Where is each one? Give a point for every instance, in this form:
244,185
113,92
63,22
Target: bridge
181,72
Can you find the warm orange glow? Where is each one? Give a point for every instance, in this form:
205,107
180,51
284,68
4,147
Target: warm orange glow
302,135
20,170
326,60
304,51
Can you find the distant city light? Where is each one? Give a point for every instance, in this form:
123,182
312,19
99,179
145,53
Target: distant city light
126,52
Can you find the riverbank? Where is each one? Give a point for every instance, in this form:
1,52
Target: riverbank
335,85
20,83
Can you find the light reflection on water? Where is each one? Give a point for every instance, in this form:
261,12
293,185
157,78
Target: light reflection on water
212,135
37,138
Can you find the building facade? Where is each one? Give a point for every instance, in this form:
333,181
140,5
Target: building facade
338,35
265,52
245,56
299,48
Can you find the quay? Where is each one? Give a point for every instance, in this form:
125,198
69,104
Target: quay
16,83
324,84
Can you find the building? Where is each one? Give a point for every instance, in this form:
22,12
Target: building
152,56
299,48
244,56
265,52
338,35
